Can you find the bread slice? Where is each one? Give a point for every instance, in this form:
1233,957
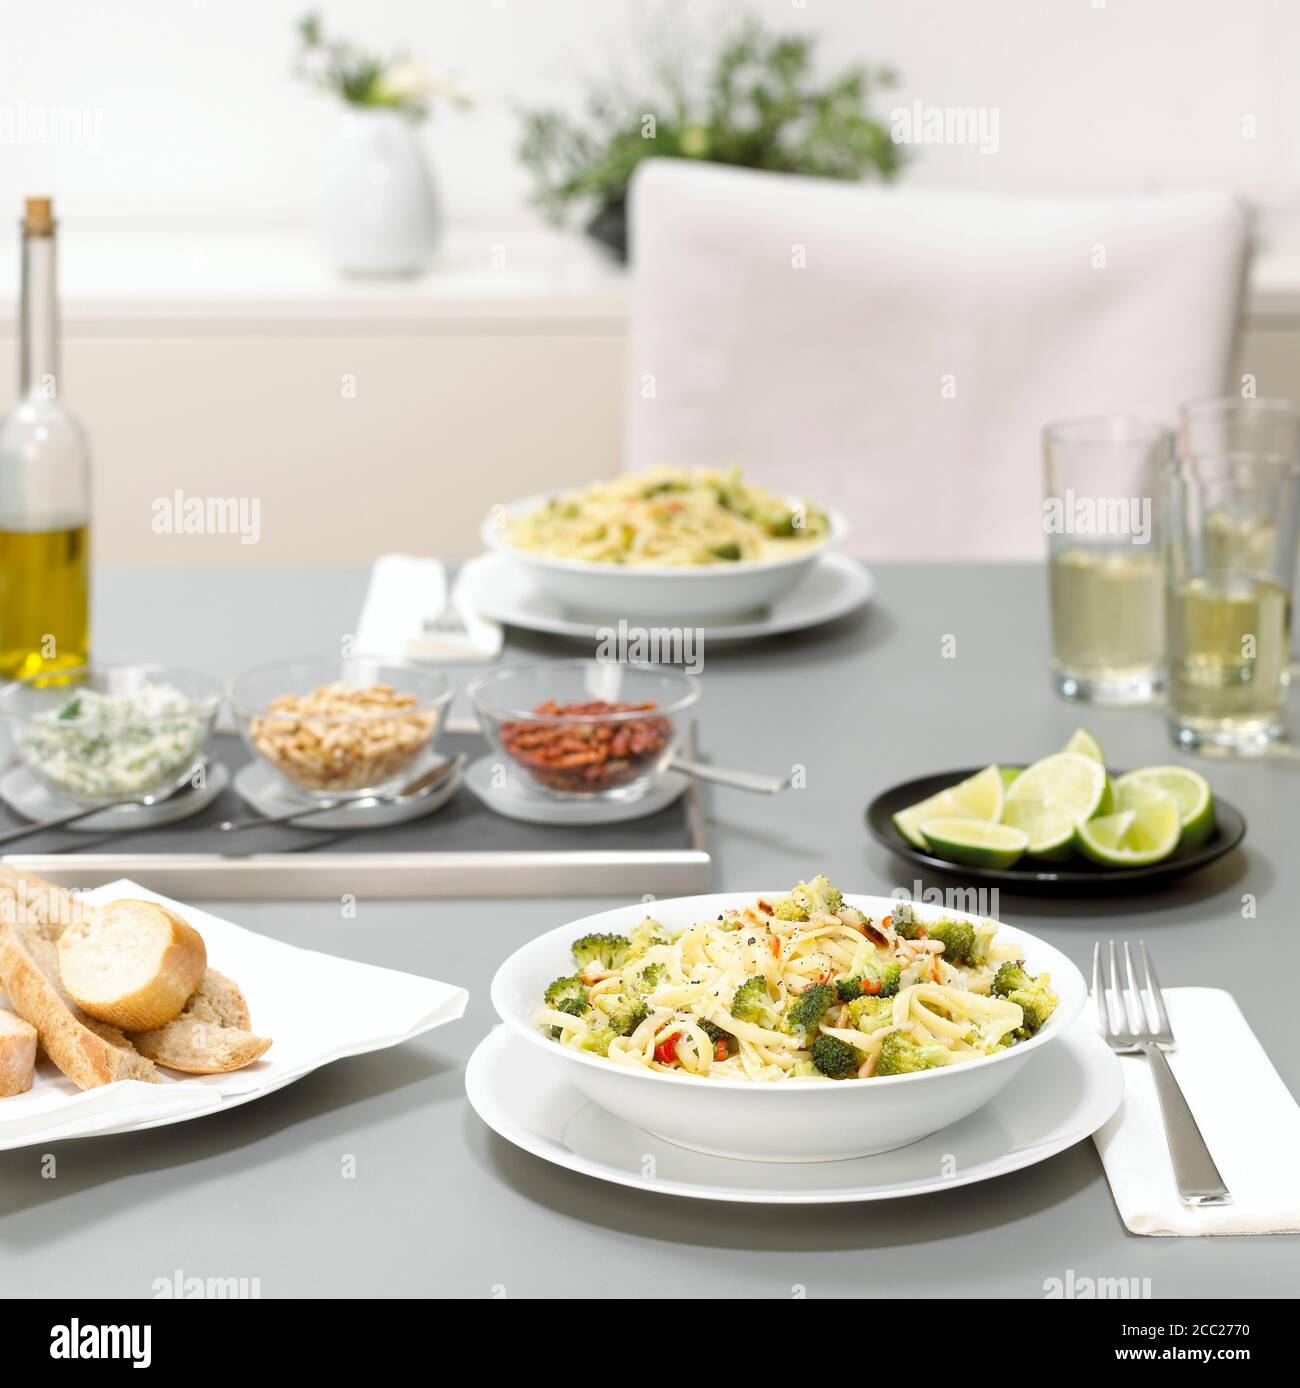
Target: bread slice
17,1054
32,917
211,1036
133,964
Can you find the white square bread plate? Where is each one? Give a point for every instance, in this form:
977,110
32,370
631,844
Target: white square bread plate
317,1008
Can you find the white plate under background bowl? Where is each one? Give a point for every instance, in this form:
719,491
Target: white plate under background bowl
671,593
505,592
806,1120
1070,1091
27,796
261,788
513,797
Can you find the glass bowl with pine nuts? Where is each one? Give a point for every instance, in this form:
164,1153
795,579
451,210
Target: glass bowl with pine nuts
336,728
593,729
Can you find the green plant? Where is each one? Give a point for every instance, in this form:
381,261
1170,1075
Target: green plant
760,106
399,83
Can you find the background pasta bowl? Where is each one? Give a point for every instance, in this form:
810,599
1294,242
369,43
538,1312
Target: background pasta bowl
682,593
795,1121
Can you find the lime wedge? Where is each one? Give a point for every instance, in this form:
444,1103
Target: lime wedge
977,797
1048,799
976,842
1145,833
1189,790
1083,742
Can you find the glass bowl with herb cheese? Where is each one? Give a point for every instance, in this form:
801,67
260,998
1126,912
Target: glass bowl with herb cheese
101,733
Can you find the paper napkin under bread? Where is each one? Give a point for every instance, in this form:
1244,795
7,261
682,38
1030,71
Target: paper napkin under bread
1246,1114
316,1007
407,597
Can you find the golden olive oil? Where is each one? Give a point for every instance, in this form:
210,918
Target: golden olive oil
44,600
1229,653
1107,607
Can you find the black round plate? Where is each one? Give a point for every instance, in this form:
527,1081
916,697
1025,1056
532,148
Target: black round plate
1077,875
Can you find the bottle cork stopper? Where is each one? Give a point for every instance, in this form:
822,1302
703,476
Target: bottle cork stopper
39,217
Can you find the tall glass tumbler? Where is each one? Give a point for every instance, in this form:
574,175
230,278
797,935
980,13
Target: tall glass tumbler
1105,574
1231,524
1223,425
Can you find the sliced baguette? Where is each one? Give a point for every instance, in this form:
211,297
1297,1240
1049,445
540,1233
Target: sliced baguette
90,1052
211,1036
17,1054
133,964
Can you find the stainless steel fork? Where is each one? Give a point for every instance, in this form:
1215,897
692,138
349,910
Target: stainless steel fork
1135,1020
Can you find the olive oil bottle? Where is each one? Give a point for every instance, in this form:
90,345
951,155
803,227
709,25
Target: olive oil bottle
44,485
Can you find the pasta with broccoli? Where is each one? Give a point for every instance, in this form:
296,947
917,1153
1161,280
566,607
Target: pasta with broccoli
669,516
803,986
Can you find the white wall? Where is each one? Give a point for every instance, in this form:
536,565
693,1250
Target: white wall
202,121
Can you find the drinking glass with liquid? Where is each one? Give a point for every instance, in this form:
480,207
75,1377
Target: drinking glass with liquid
1231,523
1105,573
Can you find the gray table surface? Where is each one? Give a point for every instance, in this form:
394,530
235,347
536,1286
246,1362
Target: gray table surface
439,1206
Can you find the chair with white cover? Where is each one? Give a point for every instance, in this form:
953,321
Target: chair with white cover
895,353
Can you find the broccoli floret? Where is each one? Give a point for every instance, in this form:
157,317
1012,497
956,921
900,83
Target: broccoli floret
717,1035
988,1039
803,1014
606,951
596,1040
810,898
1032,993
957,937
714,1032
903,918
753,1003
875,980
900,1055
627,1015
728,550
575,1007
984,933
643,980
870,1014
820,895
565,990
835,1059
803,1070
648,934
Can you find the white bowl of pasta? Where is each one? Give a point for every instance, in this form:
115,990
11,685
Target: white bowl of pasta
611,558
907,1042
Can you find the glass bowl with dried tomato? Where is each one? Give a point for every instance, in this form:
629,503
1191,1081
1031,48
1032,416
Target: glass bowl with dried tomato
588,728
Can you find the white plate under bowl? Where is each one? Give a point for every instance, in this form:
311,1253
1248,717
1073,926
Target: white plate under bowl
673,593
831,588
25,795
804,1120
261,788
1064,1097
514,800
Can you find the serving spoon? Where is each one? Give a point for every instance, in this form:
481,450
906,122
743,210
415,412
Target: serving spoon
182,786
417,789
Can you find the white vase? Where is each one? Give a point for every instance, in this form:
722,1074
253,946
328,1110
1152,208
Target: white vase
381,216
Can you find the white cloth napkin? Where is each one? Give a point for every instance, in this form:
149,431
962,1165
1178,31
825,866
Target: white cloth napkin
406,597
1247,1115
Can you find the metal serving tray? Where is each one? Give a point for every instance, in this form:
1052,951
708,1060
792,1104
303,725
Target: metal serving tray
462,849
